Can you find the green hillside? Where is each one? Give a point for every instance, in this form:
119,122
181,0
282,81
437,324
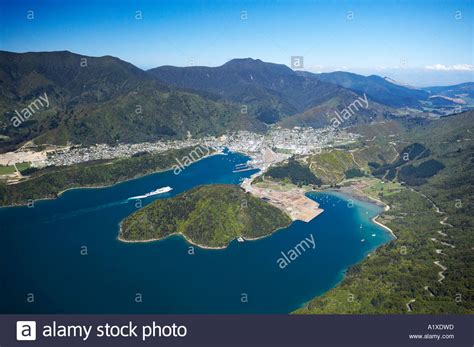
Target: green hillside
272,92
101,99
293,172
425,269
50,181
211,215
265,87
322,114
331,165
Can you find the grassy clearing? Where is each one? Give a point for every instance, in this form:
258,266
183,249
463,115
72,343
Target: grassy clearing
7,170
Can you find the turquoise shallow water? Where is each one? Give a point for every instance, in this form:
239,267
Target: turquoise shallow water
40,253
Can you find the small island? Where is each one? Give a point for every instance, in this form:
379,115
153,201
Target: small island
210,216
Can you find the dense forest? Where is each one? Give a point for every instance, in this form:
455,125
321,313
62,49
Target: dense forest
406,155
210,215
417,175
50,181
425,270
295,172
354,172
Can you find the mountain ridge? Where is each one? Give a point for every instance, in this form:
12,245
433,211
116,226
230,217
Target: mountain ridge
108,100
378,88
101,99
262,87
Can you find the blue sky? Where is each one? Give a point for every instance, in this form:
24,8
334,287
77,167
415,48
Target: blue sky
420,42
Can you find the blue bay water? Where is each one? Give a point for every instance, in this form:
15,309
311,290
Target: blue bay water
40,253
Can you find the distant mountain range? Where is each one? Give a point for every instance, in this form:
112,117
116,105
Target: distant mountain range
270,91
107,100
379,89
101,100
453,91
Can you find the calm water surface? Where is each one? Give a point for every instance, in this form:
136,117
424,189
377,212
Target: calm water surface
40,253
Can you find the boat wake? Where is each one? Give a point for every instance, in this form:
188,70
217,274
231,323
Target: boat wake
75,213
154,192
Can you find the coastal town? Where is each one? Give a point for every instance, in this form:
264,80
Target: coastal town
264,150
297,140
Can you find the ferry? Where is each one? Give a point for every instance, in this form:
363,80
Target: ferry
154,192
242,168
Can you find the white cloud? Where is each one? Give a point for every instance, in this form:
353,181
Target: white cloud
457,67
317,68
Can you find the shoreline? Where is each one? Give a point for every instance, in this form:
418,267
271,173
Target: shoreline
119,238
362,197
99,186
354,193
348,191
374,220
191,242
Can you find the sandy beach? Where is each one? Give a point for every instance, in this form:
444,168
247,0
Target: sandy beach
357,194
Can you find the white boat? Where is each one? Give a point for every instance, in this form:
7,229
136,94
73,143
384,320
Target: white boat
363,240
154,192
373,235
240,239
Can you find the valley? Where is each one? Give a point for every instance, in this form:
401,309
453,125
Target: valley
404,154
109,101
